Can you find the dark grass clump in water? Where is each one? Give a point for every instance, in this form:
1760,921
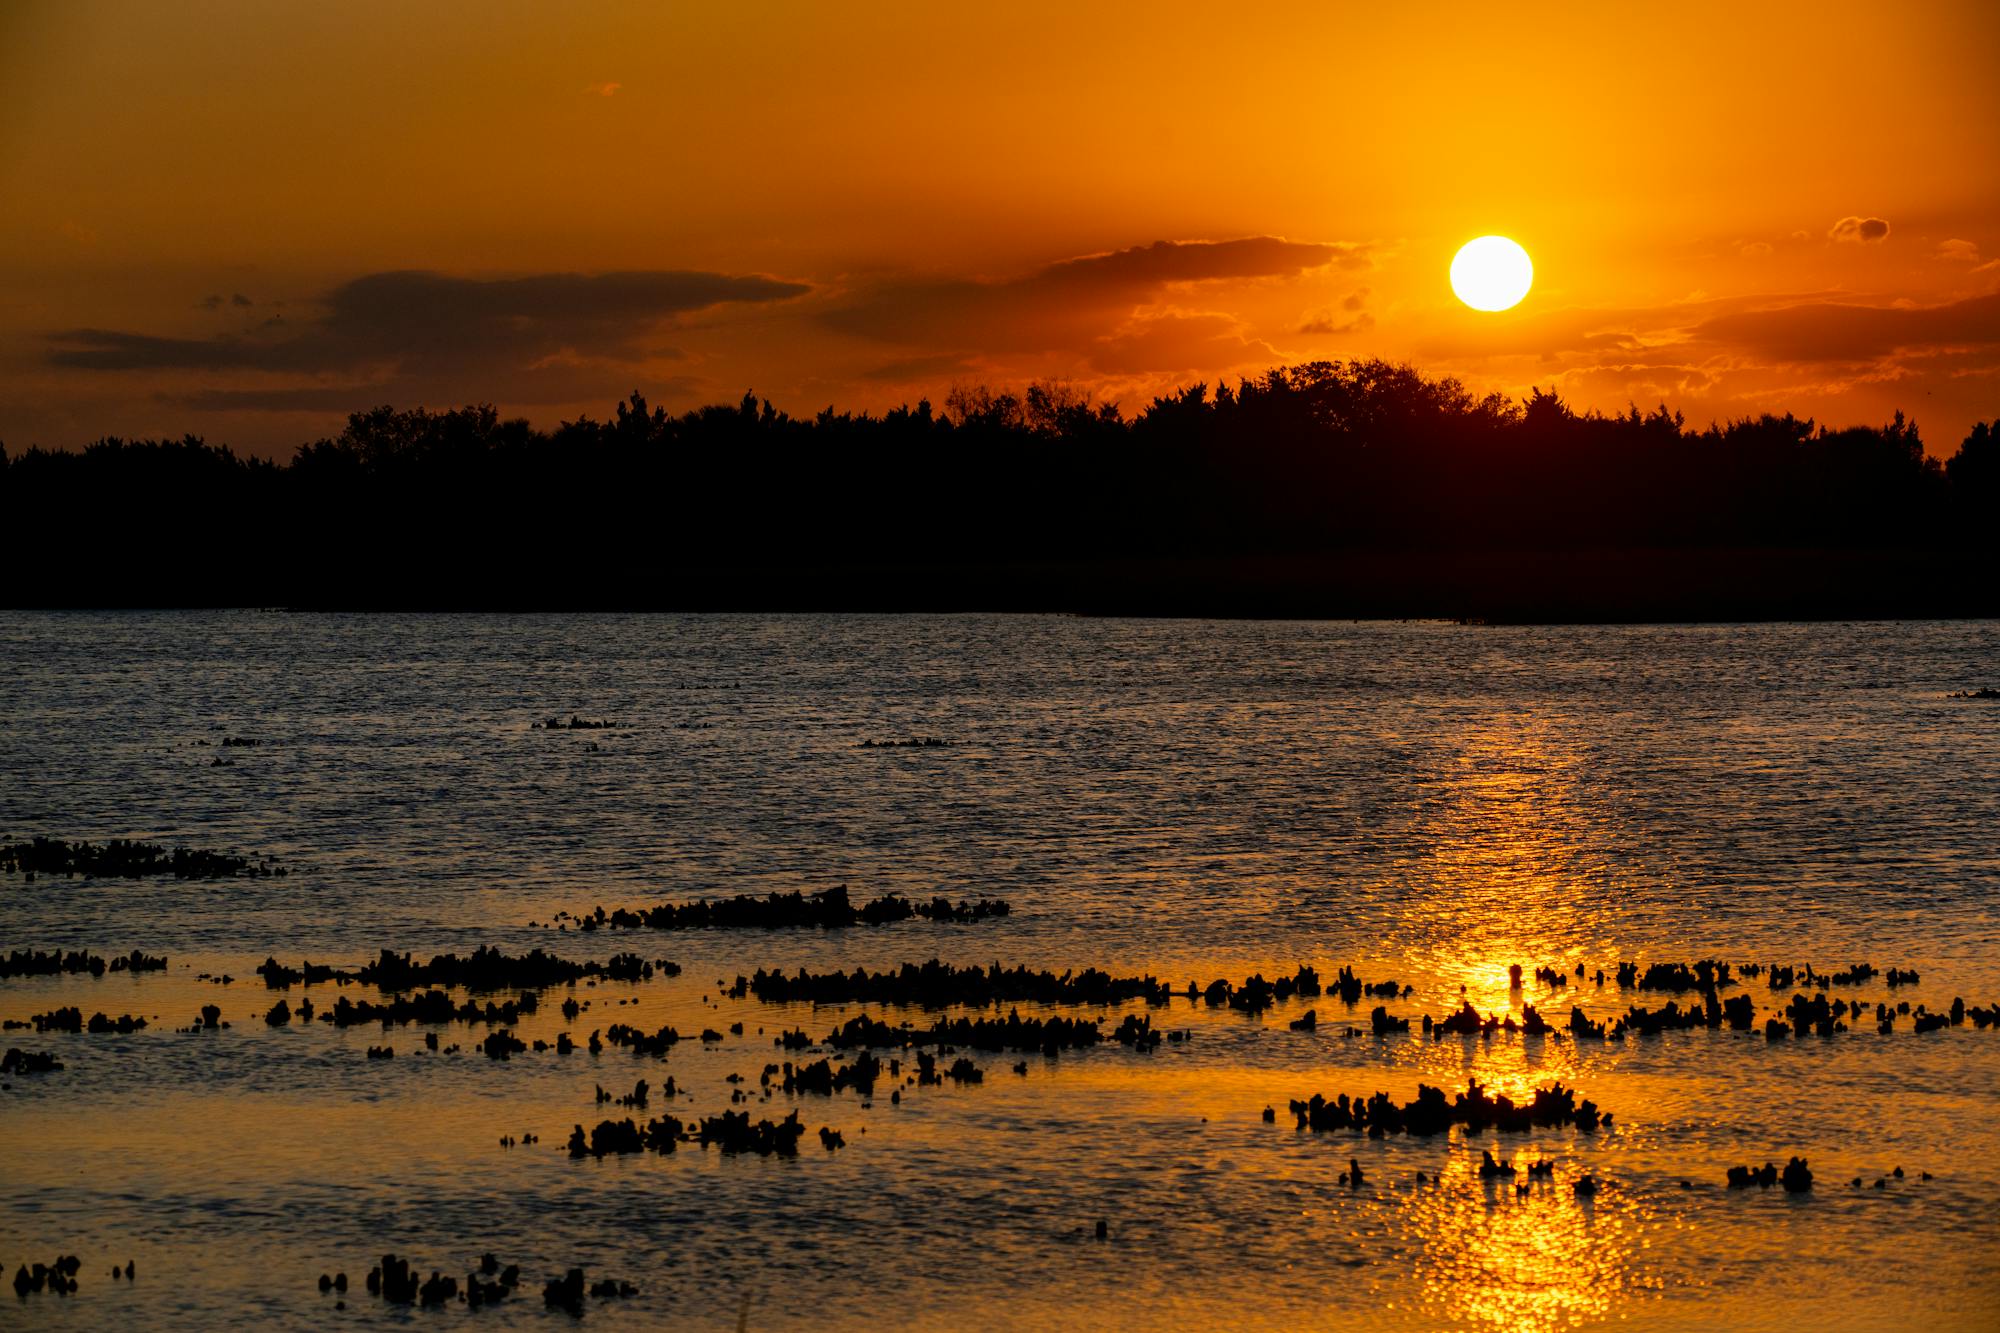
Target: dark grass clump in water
123,859
638,1040
828,909
825,1078
395,1281
732,1132
33,963
18,1061
70,1019
428,1007
1012,1033
1707,975
1797,1178
937,985
1801,1016
58,1277
483,969
1431,1114
1256,994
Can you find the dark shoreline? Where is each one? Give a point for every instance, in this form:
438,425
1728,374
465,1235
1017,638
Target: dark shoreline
1594,585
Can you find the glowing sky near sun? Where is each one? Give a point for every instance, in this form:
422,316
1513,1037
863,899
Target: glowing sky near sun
245,219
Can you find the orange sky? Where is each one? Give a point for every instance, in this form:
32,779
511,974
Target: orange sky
245,219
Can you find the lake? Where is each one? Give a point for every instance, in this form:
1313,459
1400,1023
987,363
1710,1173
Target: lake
1194,800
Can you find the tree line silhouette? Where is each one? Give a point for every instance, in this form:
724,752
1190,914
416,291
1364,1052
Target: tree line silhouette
1365,480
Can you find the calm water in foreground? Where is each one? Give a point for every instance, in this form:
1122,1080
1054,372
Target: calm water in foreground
1192,799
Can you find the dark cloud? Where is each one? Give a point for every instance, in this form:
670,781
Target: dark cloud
435,336
1819,353
1584,331
209,303
540,387
1071,305
1826,331
404,318
1859,230
108,349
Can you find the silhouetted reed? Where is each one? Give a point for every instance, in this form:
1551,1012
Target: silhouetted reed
31,963
120,858
1012,1033
484,969
827,909
1432,1114
936,985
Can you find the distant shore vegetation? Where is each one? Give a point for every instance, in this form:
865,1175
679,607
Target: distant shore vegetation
1310,466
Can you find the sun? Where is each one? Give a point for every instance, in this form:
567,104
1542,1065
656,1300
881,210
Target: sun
1492,273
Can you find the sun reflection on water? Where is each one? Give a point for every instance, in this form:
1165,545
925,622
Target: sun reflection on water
1510,827
1490,1256
1511,830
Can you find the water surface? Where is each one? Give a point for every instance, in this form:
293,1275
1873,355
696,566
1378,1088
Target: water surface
1191,799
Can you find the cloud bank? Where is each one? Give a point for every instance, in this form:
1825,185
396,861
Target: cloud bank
541,338
1076,304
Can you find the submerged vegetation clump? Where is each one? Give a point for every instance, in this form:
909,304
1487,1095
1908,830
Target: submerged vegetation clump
1708,975
395,1281
58,1277
637,1040
1801,1015
1431,1114
618,1137
731,1132
825,1078
937,985
1797,1178
484,969
428,1007
122,858
71,1019
18,1061
33,963
1012,1033
827,909
1256,994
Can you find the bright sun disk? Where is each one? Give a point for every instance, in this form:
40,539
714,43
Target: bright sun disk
1491,273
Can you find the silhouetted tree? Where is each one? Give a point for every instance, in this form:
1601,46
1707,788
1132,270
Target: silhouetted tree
1301,461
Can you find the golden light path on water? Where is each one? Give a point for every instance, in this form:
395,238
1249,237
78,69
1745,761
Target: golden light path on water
1492,1258
1510,1253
